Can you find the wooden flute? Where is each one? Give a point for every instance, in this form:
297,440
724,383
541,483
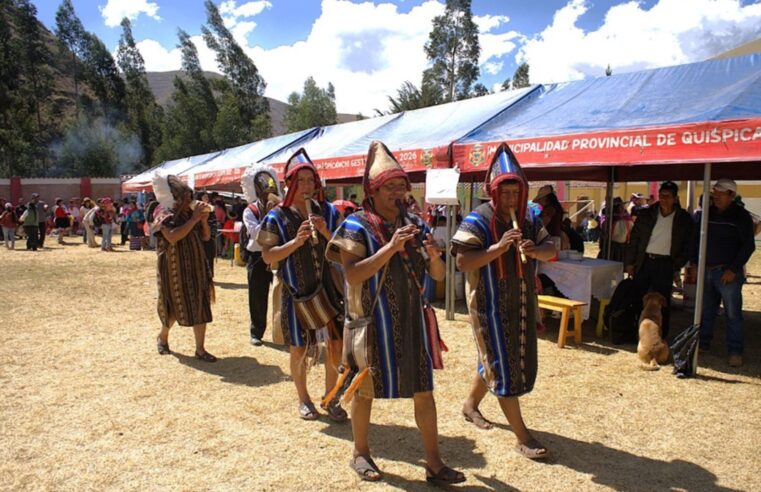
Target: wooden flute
515,226
310,211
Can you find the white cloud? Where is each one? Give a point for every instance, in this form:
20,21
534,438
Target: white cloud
115,10
487,23
366,58
234,17
492,68
632,38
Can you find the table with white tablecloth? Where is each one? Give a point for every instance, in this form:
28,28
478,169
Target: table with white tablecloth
581,280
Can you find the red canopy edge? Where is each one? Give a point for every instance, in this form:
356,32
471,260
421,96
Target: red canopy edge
715,142
352,167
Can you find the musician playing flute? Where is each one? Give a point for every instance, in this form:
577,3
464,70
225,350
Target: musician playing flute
501,298
385,253
293,236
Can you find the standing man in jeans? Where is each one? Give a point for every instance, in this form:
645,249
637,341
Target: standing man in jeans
730,245
659,245
262,192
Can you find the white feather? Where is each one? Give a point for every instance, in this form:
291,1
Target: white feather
247,180
162,190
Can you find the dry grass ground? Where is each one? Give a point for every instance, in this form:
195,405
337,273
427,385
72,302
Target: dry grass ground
89,405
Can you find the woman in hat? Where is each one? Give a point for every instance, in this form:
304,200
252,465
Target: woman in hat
385,253
184,281
293,236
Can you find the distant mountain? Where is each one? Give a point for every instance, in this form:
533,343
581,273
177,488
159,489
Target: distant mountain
162,85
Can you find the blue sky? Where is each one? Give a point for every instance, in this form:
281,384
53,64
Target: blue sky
368,48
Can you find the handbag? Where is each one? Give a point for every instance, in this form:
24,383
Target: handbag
356,350
314,310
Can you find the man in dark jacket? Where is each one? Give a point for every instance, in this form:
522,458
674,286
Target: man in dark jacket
730,246
659,246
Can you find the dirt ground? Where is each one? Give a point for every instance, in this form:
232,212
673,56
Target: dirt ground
89,405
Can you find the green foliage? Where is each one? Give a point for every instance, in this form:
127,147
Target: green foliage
190,119
409,97
246,83
480,90
34,89
230,129
453,50
521,77
143,114
506,84
102,76
315,107
70,33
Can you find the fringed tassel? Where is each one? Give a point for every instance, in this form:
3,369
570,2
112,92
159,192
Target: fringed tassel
355,385
344,379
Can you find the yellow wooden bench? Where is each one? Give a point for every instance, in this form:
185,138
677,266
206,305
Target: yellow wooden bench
565,307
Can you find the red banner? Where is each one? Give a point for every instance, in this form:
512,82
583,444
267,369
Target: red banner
701,142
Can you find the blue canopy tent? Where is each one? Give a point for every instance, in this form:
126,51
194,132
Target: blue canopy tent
224,170
675,122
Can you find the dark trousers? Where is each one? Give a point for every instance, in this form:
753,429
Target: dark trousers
259,280
42,229
657,274
125,232
32,237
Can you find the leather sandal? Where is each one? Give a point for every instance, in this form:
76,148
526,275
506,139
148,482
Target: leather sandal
366,468
206,357
335,412
445,476
532,449
476,418
307,411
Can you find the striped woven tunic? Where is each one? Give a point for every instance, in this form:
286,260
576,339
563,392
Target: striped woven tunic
298,271
502,311
400,362
183,274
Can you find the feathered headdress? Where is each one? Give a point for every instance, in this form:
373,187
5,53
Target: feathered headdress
254,173
162,190
168,189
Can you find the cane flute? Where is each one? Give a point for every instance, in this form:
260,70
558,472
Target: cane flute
407,221
310,210
515,226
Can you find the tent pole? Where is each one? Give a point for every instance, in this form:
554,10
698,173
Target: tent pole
448,280
609,211
697,317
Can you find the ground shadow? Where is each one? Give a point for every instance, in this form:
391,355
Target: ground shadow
622,470
400,443
231,285
403,483
237,370
601,346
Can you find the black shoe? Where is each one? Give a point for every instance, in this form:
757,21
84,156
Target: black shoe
256,342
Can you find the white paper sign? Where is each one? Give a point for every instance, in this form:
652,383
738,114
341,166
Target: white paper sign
441,186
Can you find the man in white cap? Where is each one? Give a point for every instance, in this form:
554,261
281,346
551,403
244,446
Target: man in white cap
730,246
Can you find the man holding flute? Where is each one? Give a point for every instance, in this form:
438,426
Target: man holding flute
293,237
495,246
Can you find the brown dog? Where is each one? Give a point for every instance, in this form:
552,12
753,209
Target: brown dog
652,350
